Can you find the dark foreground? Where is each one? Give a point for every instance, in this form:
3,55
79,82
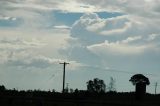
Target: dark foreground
81,98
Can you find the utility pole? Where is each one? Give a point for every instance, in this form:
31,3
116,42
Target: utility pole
156,84
64,67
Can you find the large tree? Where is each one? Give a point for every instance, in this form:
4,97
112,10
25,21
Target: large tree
96,85
140,81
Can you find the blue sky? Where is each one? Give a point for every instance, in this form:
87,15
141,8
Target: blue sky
103,39
69,18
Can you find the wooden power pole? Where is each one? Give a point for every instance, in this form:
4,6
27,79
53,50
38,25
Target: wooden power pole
64,67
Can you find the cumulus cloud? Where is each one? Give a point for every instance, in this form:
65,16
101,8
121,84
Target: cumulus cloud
121,42
114,28
127,41
118,48
94,27
119,34
117,25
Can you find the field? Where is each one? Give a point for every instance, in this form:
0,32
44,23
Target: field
83,98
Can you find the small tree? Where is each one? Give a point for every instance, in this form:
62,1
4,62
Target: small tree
71,90
96,85
66,90
111,86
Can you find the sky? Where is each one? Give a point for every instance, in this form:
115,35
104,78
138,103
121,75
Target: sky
99,38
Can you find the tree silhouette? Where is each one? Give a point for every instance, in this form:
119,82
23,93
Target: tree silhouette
140,81
2,88
97,85
111,85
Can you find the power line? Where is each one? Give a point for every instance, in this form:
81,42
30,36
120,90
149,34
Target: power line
117,71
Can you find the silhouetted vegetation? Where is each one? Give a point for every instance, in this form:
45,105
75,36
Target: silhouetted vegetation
97,85
111,86
95,95
78,97
140,81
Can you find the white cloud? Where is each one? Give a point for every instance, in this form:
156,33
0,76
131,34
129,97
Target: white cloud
123,46
19,44
39,62
117,48
131,39
152,37
12,49
89,21
34,50
39,41
48,5
135,7
62,27
74,6
127,40
142,8
7,18
117,31
96,30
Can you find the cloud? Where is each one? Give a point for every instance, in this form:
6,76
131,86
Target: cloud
19,44
117,25
115,28
152,37
135,7
132,39
29,15
88,24
96,30
129,41
117,48
62,27
32,62
49,5
7,18
125,45
19,52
